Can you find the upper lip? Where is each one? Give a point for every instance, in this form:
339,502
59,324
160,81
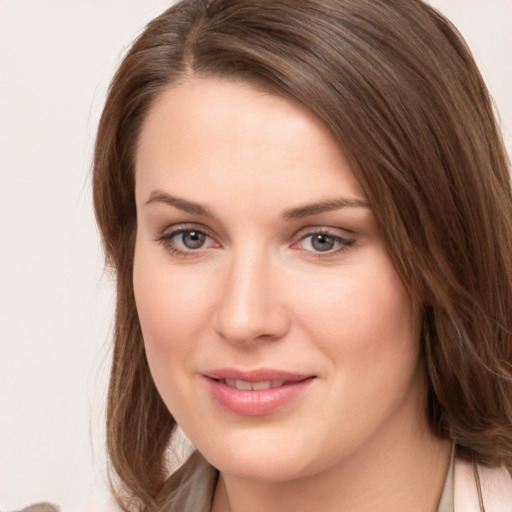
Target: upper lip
256,375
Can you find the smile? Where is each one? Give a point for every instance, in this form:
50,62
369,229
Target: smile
244,385
255,393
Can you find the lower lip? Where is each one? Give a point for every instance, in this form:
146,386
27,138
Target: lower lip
256,402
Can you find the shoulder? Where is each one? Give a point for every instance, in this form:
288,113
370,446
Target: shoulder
40,507
496,485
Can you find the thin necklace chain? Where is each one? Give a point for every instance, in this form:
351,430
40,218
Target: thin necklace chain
478,486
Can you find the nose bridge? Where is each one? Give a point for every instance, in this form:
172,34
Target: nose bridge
249,307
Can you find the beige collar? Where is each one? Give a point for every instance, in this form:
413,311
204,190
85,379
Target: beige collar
496,485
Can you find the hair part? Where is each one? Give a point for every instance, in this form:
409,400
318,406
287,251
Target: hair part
400,91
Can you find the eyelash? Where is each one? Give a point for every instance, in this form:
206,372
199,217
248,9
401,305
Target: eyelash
167,241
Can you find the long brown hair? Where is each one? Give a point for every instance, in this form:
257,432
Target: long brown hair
400,90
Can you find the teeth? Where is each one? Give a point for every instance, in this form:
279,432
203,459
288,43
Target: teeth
230,382
244,385
266,384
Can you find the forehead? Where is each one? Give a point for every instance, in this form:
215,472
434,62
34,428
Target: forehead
213,133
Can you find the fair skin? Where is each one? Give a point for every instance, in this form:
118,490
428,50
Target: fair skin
256,249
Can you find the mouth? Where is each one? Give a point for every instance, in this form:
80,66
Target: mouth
258,392
245,385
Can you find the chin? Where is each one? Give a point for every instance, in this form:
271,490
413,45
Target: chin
267,466
263,454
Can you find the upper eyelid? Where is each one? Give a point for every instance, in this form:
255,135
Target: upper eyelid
325,230
185,226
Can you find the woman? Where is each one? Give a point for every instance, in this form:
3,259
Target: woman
308,209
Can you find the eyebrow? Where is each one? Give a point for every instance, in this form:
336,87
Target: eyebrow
158,196
324,206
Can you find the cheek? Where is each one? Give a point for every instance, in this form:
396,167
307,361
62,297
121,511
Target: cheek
167,302
383,311
361,314
363,323
171,321
172,317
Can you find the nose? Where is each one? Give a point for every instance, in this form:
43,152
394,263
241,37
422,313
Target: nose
250,306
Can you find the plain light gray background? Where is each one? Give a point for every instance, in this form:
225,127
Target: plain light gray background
56,59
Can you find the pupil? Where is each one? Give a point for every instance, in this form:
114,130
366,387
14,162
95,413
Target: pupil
193,239
322,242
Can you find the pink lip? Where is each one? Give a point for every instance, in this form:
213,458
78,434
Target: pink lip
256,402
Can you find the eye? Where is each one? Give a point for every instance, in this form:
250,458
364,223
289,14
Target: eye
185,241
324,242
192,239
321,242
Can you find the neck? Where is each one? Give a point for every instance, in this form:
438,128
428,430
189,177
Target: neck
407,474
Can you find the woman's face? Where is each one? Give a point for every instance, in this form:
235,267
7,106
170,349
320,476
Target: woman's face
276,328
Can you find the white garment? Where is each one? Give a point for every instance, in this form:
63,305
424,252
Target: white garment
496,485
